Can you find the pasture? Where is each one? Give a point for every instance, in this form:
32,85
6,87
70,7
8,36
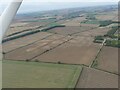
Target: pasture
18,74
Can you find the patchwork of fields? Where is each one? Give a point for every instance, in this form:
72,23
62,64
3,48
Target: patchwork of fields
63,56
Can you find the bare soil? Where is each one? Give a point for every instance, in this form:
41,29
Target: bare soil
108,59
92,78
80,50
13,44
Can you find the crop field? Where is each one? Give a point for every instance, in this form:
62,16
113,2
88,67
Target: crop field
108,59
72,52
91,22
69,30
107,16
13,44
74,22
89,25
28,25
37,48
42,22
39,75
94,32
20,29
18,24
92,78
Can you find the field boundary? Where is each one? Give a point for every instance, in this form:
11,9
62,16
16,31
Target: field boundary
79,76
95,59
51,48
66,64
75,78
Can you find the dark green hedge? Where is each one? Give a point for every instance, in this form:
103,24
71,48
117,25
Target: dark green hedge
105,23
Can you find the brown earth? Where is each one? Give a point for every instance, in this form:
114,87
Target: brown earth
94,32
92,78
13,44
108,59
69,30
74,22
30,51
80,50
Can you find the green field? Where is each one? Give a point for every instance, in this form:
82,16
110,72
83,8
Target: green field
20,74
44,20
90,22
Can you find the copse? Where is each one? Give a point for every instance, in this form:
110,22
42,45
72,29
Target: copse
111,32
105,23
98,39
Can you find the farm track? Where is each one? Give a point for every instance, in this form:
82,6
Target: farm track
91,65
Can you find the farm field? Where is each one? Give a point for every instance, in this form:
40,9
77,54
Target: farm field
105,17
91,22
92,78
74,22
108,59
39,75
72,52
89,25
17,29
37,48
94,32
13,44
64,48
111,15
69,30
29,25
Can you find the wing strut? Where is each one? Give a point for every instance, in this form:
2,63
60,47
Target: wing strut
8,15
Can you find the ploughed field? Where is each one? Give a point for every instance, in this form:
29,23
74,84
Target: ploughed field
23,41
79,50
108,59
93,78
69,30
40,47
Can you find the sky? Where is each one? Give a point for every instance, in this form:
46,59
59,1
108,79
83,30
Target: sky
42,5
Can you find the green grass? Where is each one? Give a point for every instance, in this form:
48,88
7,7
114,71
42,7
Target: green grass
17,74
100,23
91,22
95,64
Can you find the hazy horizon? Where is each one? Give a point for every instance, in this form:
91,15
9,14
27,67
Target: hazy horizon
28,7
